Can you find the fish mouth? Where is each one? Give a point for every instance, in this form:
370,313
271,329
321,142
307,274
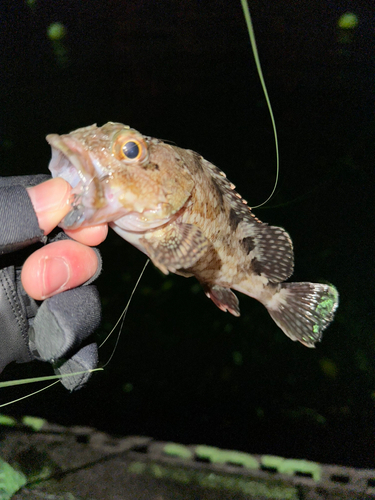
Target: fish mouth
89,197
71,161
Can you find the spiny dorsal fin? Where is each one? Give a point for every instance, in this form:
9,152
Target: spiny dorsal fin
238,205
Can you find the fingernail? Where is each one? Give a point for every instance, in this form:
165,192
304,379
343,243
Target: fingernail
55,275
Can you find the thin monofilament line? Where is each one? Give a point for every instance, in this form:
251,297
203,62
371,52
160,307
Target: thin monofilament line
28,395
250,29
122,317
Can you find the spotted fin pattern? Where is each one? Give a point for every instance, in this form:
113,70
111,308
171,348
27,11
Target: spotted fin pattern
271,250
176,246
304,310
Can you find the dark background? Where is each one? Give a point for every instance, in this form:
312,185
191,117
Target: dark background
184,71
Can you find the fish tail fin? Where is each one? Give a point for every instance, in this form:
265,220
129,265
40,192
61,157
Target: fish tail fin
303,310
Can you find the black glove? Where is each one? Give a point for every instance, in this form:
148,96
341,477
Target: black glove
51,330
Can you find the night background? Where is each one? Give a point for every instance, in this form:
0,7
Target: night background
184,71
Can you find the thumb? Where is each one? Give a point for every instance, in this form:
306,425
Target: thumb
51,202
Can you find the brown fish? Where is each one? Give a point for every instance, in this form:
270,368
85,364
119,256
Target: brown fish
183,213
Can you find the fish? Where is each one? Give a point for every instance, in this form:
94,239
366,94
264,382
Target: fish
186,216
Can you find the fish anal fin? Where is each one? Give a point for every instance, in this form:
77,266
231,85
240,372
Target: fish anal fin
176,246
223,298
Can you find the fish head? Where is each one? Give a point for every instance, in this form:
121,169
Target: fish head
118,174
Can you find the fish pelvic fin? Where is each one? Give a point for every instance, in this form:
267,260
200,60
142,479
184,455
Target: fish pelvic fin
303,310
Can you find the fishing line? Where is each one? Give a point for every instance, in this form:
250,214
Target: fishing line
250,29
25,381
122,318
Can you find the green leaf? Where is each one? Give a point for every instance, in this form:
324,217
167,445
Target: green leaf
10,480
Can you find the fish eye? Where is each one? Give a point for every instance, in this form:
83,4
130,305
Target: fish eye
131,150
130,147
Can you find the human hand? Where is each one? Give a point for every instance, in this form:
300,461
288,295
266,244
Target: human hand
53,330
65,264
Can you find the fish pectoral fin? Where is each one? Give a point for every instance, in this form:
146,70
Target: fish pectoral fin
223,298
176,246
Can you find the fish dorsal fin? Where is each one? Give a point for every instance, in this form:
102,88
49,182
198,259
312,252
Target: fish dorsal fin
270,249
239,206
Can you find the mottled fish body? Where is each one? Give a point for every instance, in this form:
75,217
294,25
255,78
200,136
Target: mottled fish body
183,213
